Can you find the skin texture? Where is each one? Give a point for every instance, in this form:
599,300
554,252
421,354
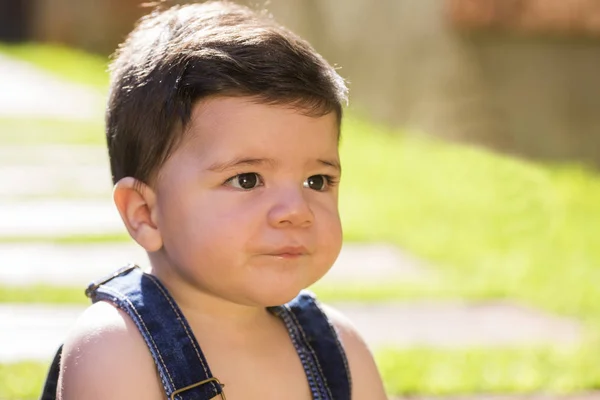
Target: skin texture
242,216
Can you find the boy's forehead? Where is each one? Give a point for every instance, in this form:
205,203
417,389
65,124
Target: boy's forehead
226,130
228,106
220,114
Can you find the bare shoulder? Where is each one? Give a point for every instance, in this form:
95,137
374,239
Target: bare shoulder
366,381
105,357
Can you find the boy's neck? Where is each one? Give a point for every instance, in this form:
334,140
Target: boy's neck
209,310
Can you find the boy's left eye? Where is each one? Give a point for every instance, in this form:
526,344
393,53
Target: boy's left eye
317,182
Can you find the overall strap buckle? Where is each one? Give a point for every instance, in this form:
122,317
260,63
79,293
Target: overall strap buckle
96,284
200,384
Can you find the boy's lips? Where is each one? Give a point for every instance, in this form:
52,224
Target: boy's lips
288,251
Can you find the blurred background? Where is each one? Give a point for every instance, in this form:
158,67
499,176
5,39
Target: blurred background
470,197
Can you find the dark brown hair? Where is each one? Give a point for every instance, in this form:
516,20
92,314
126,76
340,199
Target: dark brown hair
178,56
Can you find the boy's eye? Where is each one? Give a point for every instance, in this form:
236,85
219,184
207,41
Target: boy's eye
244,181
318,182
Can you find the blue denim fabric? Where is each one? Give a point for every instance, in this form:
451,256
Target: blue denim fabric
179,358
318,346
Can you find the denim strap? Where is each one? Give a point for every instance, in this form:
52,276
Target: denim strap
180,362
319,347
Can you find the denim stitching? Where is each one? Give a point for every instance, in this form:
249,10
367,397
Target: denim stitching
318,365
125,298
339,345
153,279
292,329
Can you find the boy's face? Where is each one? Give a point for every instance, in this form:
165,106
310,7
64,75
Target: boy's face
247,206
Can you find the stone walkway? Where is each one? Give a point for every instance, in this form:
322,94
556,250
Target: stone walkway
58,217
25,90
65,190
76,265
54,171
401,326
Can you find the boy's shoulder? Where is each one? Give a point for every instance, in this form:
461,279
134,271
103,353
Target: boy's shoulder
366,381
105,355
345,329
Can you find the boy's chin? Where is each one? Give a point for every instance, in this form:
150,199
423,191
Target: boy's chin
272,297
282,299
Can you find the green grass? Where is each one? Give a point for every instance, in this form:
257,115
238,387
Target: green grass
42,131
32,294
329,293
499,370
70,64
80,239
422,370
22,381
490,224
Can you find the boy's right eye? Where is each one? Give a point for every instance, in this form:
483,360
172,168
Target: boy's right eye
245,181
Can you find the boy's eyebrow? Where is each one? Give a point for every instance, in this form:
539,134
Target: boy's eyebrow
240,161
248,161
331,163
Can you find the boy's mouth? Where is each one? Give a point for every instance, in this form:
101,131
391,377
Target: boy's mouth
289,252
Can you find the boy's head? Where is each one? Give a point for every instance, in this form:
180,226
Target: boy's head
177,57
223,136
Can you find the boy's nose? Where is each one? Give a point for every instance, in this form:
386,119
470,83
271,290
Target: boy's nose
291,209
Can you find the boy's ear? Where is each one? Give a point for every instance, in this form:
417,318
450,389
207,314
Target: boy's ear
136,203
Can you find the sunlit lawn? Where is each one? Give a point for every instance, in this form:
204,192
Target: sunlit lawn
73,65
493,227
22,381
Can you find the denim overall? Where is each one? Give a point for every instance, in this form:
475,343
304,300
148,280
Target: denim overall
182,367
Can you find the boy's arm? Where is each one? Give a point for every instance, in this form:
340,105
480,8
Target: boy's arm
366,381
105,357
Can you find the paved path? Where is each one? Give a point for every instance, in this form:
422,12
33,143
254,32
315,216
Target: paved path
57,217
444,325
25,90
54,171
70,265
